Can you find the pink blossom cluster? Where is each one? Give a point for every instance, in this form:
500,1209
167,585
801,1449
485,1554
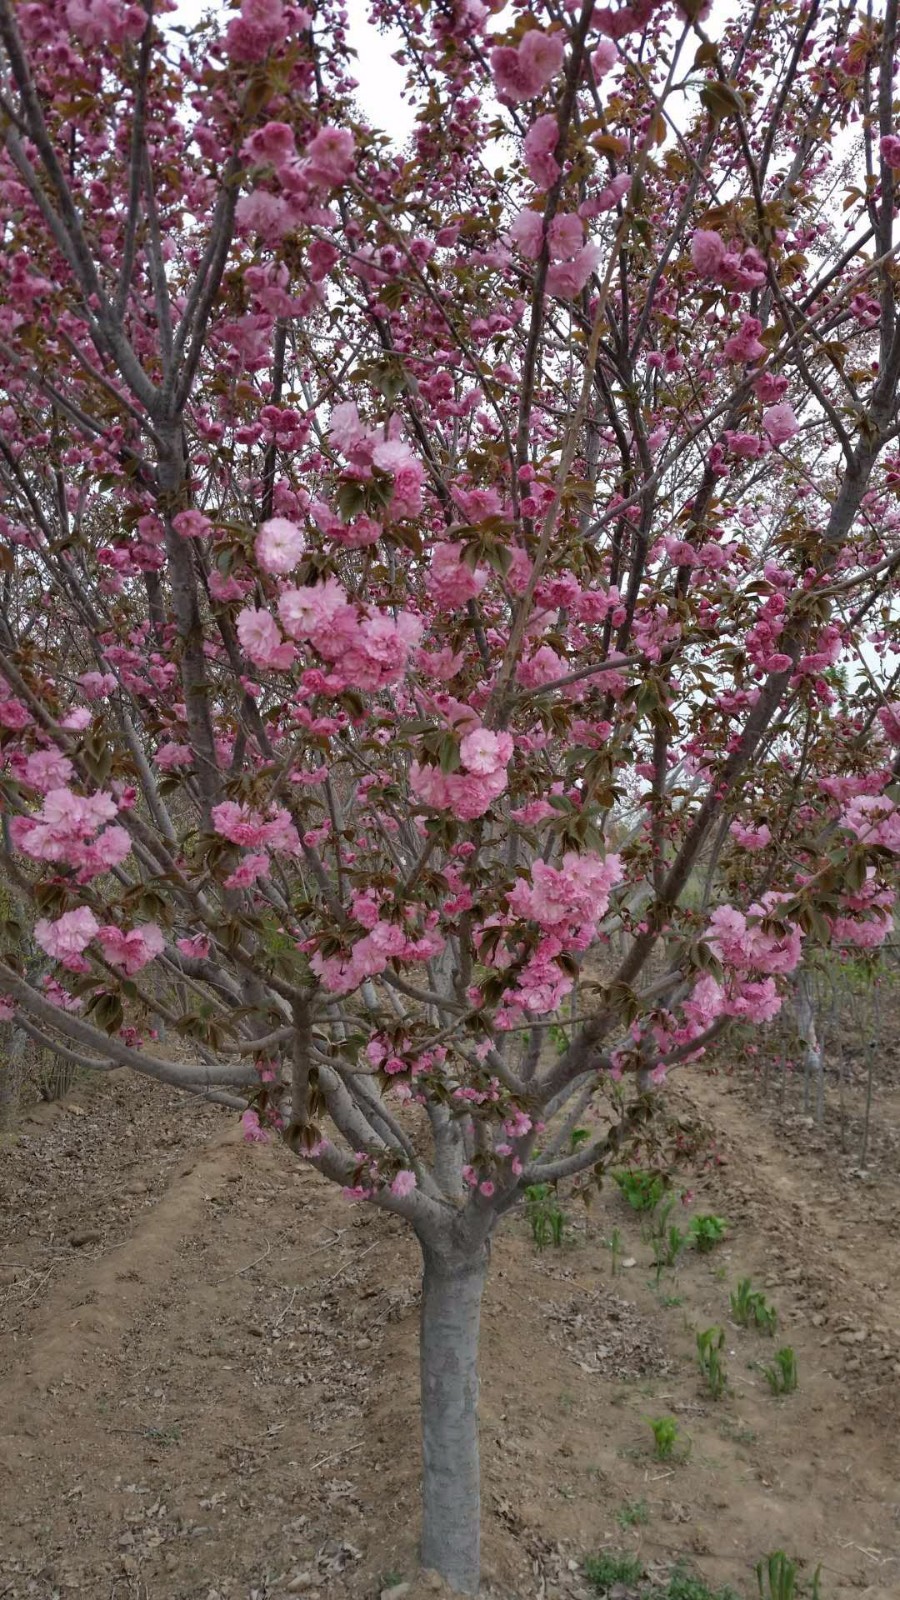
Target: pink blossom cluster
570,899
366,647
42,770
875,820
745,998
399,1059
745,944
260,25
451,582
369,1180
868,915
129,951
104,22
889,717
756,838
733,268
69,935
538,151
279,545
521,73
385,942
14,715
567,902
571,260
71,829
243,826
366,451
484,757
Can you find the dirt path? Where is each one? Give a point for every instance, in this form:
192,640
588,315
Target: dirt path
213,1395
832,1234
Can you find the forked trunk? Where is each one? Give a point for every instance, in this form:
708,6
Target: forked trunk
451,1497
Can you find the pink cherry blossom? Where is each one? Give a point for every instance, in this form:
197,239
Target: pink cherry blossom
708,251
566,236
192,525
527,232
520,74
171,756
780,424
255,864
131,951
279,545
604,58
345,428
15,715
875,820
260,639
273,143
260,26
101,22
485,752
47,769
65,938
538,150
745,345
566,279
451,581
889,717
329,157
254,1132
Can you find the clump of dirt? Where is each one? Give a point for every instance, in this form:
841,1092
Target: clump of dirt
208,1369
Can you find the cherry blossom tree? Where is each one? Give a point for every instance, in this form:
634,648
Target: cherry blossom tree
448,595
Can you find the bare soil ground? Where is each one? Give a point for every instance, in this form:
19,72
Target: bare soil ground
208,1368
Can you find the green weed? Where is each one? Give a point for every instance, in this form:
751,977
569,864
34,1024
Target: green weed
616,1247
782,1376
777,1578
633,1514
545,1215
605,1571
684,1586
610,1572
642,1190
751,1309
665,1436
704,1233
710,1344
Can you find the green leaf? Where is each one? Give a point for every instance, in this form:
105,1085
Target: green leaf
721,101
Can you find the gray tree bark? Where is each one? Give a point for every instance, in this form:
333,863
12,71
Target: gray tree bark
452,1287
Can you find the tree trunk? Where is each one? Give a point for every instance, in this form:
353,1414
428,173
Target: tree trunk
451,1496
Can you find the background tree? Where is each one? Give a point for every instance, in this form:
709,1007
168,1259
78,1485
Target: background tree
425,576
